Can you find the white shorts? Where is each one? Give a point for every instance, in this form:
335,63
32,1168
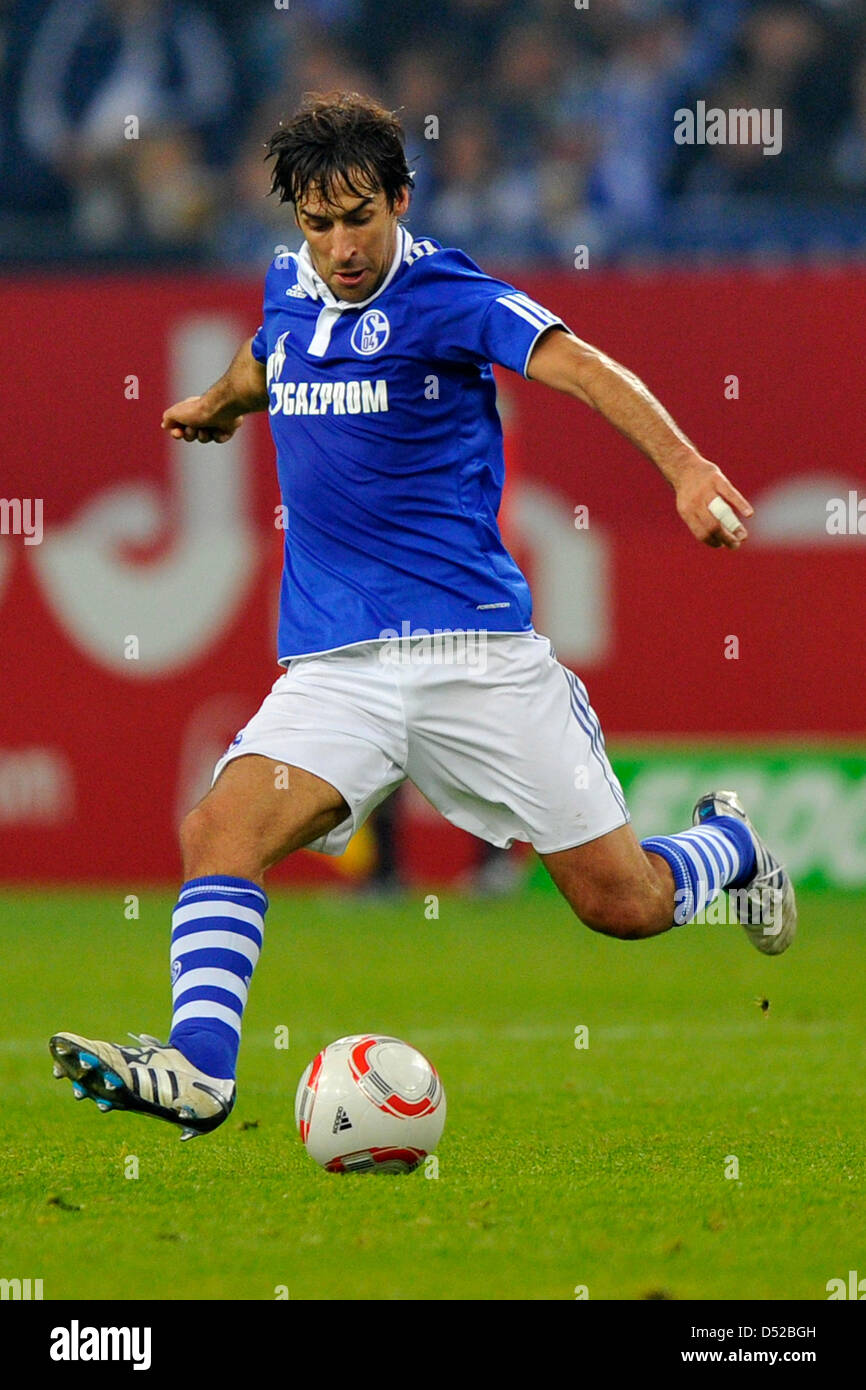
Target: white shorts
503,742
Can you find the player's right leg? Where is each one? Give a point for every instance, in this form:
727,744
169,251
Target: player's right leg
257,812
324,749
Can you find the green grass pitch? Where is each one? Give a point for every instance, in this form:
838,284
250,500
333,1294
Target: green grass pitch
560,1167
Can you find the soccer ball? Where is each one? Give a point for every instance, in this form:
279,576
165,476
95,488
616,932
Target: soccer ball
370,1104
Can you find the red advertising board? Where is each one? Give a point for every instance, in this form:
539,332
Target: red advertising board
139,634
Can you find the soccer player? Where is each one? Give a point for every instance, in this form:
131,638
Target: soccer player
405,626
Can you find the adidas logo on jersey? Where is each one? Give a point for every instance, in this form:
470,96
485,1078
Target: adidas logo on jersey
341,1121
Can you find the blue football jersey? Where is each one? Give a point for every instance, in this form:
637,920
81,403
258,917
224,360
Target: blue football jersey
389,448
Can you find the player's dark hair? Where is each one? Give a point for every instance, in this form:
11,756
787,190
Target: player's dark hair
338,142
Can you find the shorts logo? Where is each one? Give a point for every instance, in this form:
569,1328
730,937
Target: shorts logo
175,971
372,332
236,740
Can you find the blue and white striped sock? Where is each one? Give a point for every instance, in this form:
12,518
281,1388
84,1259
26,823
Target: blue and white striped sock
704,860
217,930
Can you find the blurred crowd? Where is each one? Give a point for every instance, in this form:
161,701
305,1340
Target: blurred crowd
133,130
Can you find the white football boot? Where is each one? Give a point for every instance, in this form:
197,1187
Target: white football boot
152,1078
766,906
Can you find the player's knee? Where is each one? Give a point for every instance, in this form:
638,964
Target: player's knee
612,922
193,833
626,916
208,846
616,928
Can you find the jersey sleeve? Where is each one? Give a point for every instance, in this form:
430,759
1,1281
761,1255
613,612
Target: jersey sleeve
273,291
259,345
478,319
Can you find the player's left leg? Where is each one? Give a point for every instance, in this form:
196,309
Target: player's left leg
510,748
630,890
614,886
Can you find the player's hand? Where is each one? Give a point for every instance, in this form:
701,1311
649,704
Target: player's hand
193,420
703,491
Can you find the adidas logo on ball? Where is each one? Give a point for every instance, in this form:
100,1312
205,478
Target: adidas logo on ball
397,1100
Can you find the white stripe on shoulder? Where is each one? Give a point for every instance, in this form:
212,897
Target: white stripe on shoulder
535,307
533,303
532,314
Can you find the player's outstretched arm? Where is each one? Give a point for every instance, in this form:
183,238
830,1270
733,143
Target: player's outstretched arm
705,498
214,417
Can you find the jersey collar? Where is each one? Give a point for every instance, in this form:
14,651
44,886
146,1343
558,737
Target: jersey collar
312,283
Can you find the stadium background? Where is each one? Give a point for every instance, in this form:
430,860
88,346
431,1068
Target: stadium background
541,134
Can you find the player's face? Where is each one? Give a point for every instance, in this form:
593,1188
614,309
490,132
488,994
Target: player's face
351,241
